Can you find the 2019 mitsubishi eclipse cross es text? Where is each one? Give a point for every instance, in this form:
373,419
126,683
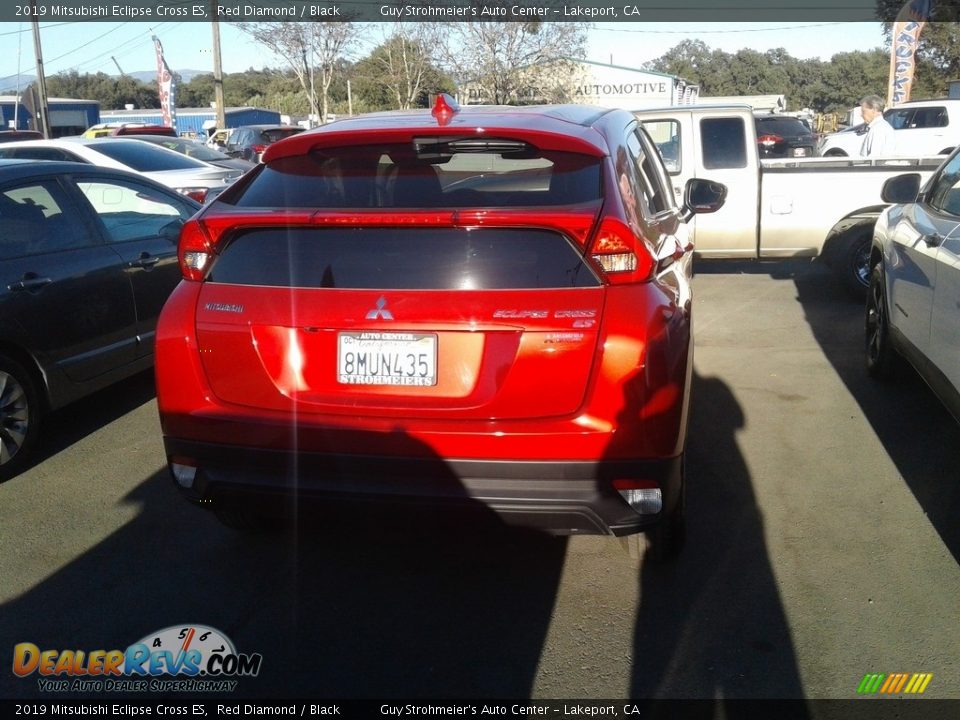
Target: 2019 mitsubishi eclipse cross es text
481,306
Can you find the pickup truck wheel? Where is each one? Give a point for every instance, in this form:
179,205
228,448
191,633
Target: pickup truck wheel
855,268
835,153
882,358
19,416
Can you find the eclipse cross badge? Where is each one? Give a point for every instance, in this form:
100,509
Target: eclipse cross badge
380,311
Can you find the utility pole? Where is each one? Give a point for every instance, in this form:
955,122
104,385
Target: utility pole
118,65
42,107
217,70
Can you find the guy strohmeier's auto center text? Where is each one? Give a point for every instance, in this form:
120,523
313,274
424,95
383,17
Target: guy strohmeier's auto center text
329,10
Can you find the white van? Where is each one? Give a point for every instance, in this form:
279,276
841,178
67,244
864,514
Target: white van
925,127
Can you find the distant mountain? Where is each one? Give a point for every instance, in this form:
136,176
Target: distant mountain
8,84
151,75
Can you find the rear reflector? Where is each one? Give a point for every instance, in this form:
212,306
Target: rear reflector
184,471
643,496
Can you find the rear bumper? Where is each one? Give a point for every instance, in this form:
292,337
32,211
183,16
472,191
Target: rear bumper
568,497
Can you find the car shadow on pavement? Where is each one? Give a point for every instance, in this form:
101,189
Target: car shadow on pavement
410,603
711,623
918,434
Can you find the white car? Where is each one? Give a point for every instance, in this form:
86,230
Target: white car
923,128
194,178
915,282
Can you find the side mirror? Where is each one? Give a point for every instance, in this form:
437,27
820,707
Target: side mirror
702,196
901,189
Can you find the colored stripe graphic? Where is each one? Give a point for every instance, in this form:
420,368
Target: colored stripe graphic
894,683
870,683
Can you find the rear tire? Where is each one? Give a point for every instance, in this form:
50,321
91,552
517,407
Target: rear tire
834,153
20,415
882,358
247,520
854,267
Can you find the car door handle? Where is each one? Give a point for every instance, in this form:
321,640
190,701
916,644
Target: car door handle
29,283
145,261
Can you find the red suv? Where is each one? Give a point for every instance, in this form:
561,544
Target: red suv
478,306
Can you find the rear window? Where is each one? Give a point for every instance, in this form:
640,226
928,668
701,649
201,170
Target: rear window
427,173
402,259
145,157
271,136
781,126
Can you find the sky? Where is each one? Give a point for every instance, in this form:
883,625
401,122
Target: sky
90,47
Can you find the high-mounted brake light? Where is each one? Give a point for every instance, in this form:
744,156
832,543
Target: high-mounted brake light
195,251
444,108
619,254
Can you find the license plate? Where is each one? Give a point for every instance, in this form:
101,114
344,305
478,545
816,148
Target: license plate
799,152
386,358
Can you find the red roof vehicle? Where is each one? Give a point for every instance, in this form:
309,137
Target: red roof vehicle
477,306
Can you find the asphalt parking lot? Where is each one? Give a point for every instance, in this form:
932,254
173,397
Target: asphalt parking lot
823,545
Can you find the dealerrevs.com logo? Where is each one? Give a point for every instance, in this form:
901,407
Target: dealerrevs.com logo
180,658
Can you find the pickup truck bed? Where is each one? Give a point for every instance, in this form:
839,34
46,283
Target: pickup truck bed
776,208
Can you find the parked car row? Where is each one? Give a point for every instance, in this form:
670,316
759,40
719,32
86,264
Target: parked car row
476,307
194,178
927,127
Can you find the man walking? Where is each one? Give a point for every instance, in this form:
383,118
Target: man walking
880,140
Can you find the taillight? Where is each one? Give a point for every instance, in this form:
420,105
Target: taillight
621,256
258,149
769,139
195,250
196,193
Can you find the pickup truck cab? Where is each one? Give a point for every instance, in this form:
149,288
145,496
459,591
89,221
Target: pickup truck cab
775,208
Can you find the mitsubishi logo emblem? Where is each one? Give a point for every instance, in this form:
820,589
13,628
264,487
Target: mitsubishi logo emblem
380,310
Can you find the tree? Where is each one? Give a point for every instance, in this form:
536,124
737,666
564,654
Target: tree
399,73
111,93
400,70
310,49
497,60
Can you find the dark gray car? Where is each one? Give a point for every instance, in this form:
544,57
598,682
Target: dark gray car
88,257
249,141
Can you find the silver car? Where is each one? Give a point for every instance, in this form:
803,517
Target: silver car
188,176
915,281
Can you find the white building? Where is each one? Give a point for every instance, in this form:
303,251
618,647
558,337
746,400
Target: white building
592,83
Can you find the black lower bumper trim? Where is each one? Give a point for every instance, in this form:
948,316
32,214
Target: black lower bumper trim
564,497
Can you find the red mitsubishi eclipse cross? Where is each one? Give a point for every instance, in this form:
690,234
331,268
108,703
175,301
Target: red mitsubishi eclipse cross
484,306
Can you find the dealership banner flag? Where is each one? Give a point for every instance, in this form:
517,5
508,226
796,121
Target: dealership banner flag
168,87
903,48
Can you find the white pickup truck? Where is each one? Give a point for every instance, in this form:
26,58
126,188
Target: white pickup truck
775,208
